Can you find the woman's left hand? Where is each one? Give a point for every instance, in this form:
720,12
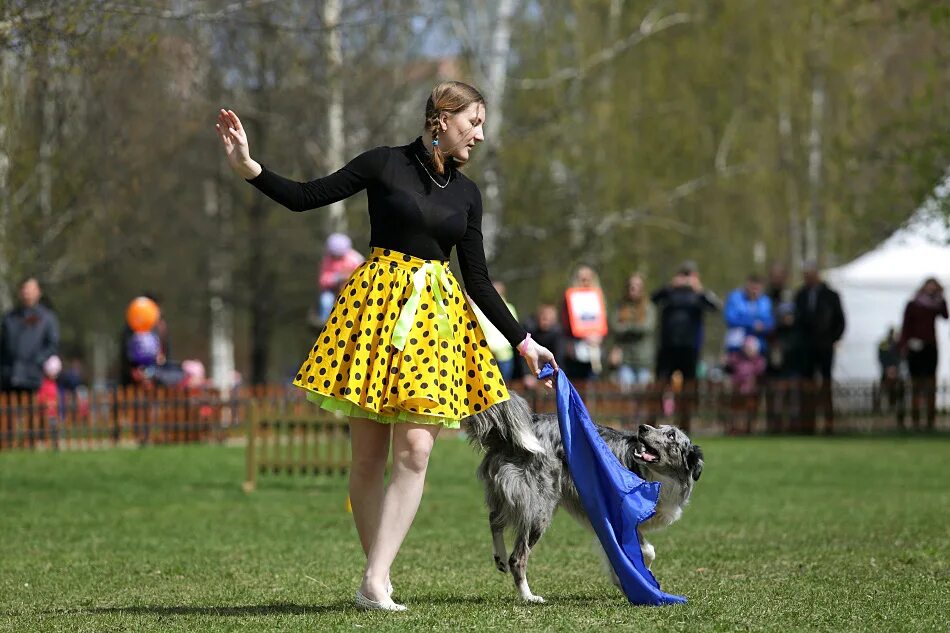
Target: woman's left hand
537,356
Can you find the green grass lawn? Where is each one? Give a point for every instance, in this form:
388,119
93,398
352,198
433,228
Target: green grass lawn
841,534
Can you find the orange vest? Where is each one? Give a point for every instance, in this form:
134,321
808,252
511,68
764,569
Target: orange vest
586,312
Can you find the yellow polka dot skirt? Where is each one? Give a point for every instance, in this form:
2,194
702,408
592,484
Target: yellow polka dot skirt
402,345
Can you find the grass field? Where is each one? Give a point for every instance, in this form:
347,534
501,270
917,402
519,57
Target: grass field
840,534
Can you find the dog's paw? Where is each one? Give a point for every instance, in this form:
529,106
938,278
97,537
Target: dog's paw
533,598
501,565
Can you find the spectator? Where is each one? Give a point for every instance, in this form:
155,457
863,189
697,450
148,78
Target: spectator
193,374
500,347
682,305
584,324
337,265
820,321
783,364
778,372
632,326
29,335
48,398
747,366
546,330
776,287
748,312
130,369
919,344
889,356
72,376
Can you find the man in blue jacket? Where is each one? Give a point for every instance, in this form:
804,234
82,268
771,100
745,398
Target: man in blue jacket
748,312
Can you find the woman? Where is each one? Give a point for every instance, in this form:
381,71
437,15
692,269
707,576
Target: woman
584,318
632,327
919,344
402,354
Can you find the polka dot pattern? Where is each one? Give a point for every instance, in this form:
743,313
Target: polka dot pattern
353,359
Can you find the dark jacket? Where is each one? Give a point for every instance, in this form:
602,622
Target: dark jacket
920,315
681,315
28,336
819,317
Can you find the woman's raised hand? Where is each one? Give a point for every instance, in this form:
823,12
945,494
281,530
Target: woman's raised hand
234,140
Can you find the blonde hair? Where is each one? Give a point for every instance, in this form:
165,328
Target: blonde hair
575,277
450,97
640,305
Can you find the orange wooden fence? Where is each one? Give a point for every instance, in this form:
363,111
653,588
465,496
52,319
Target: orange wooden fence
127,415
294,437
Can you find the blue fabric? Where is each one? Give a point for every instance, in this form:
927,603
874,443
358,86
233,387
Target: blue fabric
616,500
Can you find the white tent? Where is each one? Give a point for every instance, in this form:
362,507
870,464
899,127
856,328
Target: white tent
876,286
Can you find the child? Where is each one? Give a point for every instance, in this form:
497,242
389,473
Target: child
337,265
747,366
48,397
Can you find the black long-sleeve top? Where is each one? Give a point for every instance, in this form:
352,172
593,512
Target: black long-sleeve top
413,210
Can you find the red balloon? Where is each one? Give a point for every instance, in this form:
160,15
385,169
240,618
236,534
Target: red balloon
142,314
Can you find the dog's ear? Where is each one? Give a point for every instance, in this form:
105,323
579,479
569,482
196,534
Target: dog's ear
694,461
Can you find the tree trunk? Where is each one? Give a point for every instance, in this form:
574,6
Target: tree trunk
44,167
7,61
796,253
814,223
336,217
495,88
219,289
260,275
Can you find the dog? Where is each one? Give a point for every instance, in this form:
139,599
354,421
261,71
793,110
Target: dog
526,478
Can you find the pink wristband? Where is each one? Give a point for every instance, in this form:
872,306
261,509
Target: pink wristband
524,344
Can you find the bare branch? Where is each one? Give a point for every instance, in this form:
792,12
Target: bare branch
725,143
171,14
232,15
651,25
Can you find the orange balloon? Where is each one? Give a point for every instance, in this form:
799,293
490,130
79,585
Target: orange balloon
142,314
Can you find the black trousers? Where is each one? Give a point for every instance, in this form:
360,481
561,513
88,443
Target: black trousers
922,365
669,360
816,388
672,359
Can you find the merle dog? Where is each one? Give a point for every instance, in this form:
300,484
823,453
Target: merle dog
526,477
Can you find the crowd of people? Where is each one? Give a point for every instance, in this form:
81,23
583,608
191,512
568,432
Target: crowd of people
777,353
34,374
777,341
778,348
908,357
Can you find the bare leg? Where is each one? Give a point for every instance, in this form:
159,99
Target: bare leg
412,445
370,442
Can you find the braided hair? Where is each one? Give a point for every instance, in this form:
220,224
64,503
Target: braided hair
449,97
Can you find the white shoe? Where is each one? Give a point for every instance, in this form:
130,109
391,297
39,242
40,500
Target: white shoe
364,603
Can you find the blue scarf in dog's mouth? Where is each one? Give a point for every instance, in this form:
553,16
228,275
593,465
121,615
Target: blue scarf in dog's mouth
616,500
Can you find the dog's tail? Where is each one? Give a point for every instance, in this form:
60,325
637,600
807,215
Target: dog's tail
507,422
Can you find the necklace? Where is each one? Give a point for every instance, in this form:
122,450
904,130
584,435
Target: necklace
448,180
